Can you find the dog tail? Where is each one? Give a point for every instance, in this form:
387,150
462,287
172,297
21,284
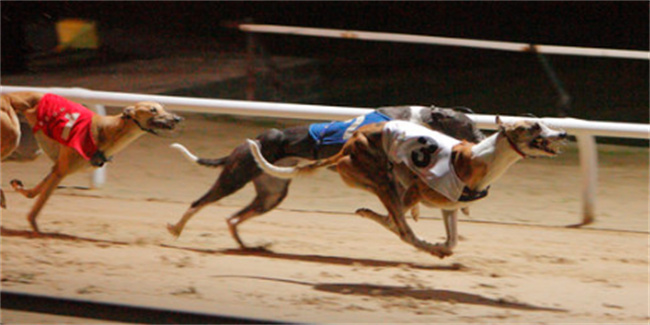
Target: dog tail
217,162
285,172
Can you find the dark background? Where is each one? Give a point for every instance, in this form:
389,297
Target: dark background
370,74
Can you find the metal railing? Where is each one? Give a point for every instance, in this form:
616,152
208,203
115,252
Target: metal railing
448,41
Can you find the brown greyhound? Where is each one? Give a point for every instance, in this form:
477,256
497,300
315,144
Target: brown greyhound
75,138
404,164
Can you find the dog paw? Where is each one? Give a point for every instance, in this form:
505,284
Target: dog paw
3,200
362,211
415,213
16,184
173,230
264,248
442,252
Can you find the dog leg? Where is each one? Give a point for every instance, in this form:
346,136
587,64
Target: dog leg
177,229
451,226
31,193
41,200
43,190
410,200
356,175
381,219
439,250
415,212
3,200
271,192
396,220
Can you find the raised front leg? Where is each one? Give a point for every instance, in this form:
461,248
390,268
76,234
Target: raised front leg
31,193
68,161
407,235
43,190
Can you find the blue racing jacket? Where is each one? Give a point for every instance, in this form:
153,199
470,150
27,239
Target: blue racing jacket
338,132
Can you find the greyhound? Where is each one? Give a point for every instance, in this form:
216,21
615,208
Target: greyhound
75,138
431,167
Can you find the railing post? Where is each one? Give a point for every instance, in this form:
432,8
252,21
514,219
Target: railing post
589,166
98,178
251,70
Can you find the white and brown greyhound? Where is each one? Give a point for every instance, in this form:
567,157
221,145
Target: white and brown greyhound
75,138
403,164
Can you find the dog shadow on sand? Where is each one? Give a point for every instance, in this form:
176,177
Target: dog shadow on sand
265,252
425,294
359,289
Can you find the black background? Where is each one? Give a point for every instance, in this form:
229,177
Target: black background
370,74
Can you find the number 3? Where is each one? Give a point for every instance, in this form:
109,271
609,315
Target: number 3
422,157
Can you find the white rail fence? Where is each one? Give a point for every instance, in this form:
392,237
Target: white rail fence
447,41
585,131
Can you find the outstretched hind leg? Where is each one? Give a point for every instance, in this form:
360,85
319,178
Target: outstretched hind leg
177,228
271,192
228,182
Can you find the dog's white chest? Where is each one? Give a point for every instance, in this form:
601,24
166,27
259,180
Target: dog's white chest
426,153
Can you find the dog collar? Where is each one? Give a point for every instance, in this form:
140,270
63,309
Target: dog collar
514,147
99,159
472,195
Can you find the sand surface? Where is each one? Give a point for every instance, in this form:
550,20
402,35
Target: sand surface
516,262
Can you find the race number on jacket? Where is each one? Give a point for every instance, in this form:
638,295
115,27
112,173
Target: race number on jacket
426,153
66,122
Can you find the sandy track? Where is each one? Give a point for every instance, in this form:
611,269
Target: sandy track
515,262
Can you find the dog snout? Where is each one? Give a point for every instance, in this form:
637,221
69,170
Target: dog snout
563,135
177,119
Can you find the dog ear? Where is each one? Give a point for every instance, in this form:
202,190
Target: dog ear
129,112
500,125
437,114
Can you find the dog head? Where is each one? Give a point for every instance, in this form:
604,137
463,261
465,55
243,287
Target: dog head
532,138
455,123
151,117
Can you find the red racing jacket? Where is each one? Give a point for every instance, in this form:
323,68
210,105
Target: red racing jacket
66,122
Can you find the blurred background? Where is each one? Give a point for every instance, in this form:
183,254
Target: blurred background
42,40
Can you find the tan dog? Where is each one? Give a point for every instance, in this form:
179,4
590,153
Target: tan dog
403,164
10,132
107,135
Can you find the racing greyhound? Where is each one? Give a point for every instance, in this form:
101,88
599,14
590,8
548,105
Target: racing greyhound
311,142
75,138
433,168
